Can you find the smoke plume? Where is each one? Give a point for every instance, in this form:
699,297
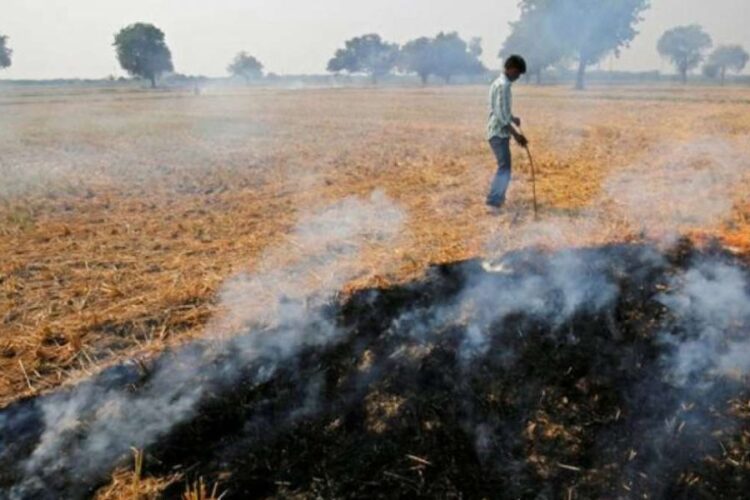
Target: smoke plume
679,187
88,428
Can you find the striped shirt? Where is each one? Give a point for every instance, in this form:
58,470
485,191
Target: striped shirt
501,115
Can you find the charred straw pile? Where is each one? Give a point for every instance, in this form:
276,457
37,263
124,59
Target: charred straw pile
606,372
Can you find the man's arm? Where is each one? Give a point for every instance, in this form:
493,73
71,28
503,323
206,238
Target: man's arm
518,136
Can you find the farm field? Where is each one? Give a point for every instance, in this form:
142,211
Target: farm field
124,214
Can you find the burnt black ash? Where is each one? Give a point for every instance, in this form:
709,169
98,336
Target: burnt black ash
411,402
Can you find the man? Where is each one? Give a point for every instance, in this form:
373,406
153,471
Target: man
501,128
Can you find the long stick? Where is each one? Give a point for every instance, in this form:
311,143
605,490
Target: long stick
533,182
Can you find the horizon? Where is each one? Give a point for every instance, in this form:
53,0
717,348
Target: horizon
69,40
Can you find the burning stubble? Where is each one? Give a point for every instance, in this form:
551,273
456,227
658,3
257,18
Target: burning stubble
679,187
89,428
711,306
468,356
282,304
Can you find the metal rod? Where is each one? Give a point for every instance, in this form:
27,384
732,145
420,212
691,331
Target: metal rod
533,177
533,182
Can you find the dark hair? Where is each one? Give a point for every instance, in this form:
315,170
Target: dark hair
517,62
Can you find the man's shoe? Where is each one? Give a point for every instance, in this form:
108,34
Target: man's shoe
493,207
494,210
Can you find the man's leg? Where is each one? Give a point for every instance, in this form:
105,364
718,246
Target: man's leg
501,148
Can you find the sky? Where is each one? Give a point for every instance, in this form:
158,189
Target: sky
73,38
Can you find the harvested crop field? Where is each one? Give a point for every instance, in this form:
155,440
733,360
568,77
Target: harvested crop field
135,222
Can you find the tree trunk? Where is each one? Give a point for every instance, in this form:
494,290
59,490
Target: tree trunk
581,73
683,72
723,75
153,81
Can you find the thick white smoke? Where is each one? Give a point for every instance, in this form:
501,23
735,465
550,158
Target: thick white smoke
679,187
92,426
711,305
674,189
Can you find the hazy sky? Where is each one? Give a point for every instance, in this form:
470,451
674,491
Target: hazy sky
72,38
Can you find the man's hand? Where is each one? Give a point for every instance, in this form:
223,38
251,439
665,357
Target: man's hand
521,140
517,121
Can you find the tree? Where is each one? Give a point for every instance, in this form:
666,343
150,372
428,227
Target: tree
534,37
5,52
142,51
726,57
475,47
710,70
453,56
246,66
445,55
590,29
417,56
684,46
367,54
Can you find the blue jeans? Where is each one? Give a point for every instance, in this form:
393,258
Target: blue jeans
501,148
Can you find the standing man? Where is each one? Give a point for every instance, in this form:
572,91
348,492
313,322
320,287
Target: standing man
501,128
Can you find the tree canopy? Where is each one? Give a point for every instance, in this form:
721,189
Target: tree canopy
726,58
417,56
684,46
535,37
5,52
445,56
453,56
143,52
586,29
367,54
246,66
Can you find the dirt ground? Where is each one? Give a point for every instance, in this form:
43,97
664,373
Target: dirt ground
123,212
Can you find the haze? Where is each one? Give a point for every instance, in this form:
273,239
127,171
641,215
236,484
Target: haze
72,38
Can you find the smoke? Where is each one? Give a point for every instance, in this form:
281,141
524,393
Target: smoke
672,190
710,304
281,307
90,427
69,143
703,337
679,187
313,262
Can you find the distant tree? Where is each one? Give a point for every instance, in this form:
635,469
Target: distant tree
5,52
726,57
246,66
445,55
453,56
534,36
142,51
590,29
418,56
684,46
367,54
475,47
710,70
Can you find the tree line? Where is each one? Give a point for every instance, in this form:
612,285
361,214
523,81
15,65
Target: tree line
686,48
548,33
142,51
561,32
444,56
